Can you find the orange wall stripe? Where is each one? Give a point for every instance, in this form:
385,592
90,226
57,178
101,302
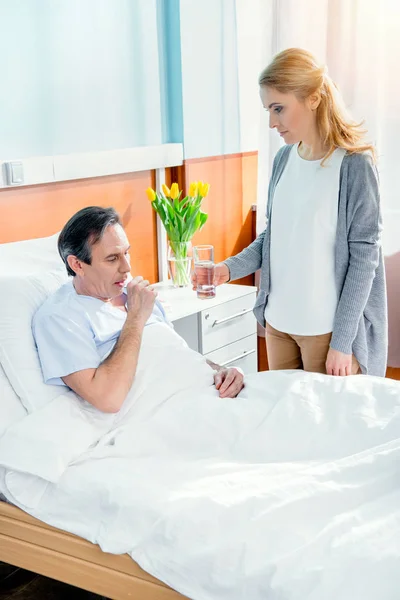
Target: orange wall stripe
42,210
37,211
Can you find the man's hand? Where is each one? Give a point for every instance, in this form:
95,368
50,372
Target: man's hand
221,275
140,298
338,363
229,382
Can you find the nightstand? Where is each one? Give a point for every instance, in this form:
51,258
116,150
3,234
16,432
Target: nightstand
223,328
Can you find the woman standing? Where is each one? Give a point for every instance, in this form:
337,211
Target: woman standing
322,295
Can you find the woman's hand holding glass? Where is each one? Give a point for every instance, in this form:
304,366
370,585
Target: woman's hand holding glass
221,275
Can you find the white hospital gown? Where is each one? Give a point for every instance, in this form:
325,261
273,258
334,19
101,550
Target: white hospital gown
75,332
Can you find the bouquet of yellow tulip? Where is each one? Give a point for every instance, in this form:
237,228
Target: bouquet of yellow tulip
181,217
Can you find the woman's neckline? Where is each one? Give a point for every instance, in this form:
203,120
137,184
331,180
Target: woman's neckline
307,160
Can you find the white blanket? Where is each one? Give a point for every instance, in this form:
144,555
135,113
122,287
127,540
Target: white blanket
290,492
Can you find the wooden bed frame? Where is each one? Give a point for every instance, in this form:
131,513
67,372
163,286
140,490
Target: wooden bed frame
30,544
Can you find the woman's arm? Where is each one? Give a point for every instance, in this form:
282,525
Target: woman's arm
364,240
248,260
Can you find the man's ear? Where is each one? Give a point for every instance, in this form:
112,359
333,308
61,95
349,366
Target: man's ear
75,264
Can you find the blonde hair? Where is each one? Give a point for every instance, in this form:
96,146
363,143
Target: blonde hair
296,71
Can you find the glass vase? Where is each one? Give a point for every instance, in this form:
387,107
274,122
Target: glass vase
180,262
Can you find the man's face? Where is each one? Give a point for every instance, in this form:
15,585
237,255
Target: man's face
105,277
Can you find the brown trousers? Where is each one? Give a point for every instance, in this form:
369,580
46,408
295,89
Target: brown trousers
307,352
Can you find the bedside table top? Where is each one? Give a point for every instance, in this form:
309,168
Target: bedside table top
182,302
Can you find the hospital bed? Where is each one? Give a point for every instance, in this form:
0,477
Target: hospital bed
30,544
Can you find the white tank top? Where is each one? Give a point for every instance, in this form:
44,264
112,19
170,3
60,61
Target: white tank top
303,296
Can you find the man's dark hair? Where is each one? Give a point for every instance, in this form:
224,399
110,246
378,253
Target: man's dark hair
84,229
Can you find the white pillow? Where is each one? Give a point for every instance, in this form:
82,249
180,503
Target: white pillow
20,297
11,408
30,256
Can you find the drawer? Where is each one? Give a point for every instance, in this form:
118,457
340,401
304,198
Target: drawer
227,323
242,353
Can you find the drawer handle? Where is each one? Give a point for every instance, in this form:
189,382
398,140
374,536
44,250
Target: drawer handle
235,316
231,360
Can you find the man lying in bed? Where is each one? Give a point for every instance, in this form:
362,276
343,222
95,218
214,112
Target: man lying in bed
89,332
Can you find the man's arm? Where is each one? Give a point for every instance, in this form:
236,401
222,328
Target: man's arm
229,382
107,386
214,365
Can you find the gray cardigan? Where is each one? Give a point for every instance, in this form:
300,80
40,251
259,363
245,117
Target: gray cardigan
360,325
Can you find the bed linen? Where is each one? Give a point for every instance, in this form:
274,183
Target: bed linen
289,492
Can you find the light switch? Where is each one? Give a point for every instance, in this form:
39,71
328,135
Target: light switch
14,173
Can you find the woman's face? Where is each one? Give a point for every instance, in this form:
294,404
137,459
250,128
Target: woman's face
294,120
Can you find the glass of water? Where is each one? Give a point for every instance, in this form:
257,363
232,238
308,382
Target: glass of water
203,258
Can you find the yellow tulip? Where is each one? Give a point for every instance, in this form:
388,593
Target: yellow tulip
151,194
203,191
166,190
174,191
193,189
